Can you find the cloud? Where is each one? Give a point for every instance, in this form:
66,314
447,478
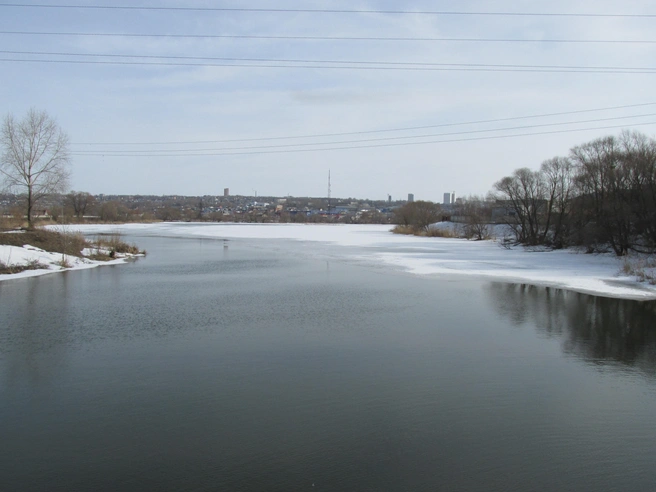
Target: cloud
114,103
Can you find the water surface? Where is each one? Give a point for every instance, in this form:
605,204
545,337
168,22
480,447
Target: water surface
259,365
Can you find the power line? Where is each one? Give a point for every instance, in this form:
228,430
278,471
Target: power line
325,11
468,139
388,130
346,62
204,152
470,68
330,38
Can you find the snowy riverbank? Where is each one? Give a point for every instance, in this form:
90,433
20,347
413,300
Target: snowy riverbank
567,269
31,261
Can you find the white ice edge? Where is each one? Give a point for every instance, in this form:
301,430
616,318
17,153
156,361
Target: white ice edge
566,269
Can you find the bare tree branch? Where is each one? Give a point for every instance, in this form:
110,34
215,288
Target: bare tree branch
35,157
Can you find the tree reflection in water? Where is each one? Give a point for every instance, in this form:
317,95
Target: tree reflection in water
596,329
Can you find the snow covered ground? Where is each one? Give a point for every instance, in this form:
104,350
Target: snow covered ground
593,274
14,255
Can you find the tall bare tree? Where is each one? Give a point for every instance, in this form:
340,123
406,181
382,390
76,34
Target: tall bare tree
524,190
639,161
558,178
603,183
34,158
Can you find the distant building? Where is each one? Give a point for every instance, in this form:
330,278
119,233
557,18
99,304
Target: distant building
389,198
411,197
226,192
449,198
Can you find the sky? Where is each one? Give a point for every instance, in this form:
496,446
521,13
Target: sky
391,98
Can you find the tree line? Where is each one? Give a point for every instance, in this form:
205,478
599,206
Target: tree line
602,194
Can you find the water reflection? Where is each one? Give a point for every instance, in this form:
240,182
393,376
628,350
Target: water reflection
35,342
596,329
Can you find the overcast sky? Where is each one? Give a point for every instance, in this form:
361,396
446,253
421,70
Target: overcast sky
147,124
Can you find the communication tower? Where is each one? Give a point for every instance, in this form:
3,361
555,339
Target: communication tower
328,191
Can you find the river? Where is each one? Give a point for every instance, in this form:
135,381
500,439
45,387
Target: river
234,365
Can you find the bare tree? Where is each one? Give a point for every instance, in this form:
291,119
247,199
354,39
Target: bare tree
80,201
419,215
639,162
525,193
558,177
34,158
476,211
603,183
404,215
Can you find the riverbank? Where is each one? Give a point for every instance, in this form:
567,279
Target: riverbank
42,251
596,274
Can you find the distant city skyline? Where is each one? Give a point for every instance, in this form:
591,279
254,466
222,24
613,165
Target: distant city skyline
166,99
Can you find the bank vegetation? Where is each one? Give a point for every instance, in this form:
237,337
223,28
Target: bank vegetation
70,245
600,196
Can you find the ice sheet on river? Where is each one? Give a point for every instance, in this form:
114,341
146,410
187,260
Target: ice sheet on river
594,274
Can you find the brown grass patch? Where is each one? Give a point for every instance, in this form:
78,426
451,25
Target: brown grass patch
31,265
67,243
435,232
431,232
114,243
401,229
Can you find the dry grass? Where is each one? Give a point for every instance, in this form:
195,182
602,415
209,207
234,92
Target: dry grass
64,263
431,232
435,232
401,229
67,243
31,265
9,223
113,243
643,268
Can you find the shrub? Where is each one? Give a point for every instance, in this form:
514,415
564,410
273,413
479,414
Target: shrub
643,268
114,243
440,232
64,263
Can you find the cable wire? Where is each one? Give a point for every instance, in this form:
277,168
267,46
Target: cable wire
346,62
326,11
276,148
469,139
388,130
470,68
330,38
